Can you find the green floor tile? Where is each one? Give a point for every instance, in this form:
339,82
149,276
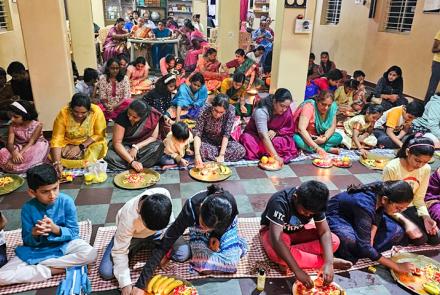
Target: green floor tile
243,204
14,218
73,193
123,195
187,190
367,178
372,289
218,288
234,175
107,183
177,206
258,186
285,172
331,186
169,177
96,213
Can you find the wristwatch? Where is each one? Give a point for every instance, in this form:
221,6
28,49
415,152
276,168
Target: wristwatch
81,147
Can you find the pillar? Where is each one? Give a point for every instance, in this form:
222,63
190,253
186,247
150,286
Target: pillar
82,34
228,28
44,29
201,7
291,51
98,12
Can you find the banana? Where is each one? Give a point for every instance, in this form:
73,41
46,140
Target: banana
431,288
158,283
172,286
166,283
151,283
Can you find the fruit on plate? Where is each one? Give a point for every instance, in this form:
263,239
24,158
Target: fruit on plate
162,285
67,176
431,288
184,290
319,288
264,160
224,170
270,160
322,162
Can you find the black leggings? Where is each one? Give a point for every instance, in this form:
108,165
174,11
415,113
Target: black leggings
411,214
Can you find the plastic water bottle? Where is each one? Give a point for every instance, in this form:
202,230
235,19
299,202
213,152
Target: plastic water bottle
261,279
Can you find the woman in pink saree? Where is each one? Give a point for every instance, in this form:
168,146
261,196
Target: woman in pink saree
271,128
115,43
209,66
198,45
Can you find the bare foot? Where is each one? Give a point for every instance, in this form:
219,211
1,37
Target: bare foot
335,151
342,264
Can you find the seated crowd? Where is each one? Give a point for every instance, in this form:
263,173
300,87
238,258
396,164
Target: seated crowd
151,129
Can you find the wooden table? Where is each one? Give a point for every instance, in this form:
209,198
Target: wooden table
175,43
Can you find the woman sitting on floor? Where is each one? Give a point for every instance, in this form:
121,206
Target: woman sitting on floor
160,97
389,89
358,131
411,165
190,98
209,66
360,219
138,75
215,244
167,64
326,65
78,135
235,89
212,135
315,123
114,90
135,142
26,145
246,66
271,128
394,125
115,42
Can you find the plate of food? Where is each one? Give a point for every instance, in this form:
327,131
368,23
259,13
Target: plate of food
191,123
343,162
66,176
269,163
133,180
375,161
169,285
9,183
323,163
424,280
211,172
318,289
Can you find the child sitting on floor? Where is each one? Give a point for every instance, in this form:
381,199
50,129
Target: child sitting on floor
50,233
179,71
288,238
395,123
360,95
3,257
358,131
140,224
344,96
177,145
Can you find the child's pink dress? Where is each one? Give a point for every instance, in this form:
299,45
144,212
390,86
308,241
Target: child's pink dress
35,155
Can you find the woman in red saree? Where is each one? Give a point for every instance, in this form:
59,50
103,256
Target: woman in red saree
209,66
271,128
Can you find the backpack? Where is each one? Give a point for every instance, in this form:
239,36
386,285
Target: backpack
76,282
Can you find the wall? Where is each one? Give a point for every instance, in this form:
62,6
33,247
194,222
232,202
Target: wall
228,28
98,12
356,43
11,42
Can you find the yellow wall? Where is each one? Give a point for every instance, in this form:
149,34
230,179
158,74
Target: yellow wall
228,29
291,51
98,12
356,43
11,42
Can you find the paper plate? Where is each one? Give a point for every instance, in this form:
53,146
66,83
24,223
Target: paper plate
148,178
212,172
17,181
295,288
412,282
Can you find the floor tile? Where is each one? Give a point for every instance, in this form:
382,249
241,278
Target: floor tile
283,183
324,179
235,186
177,206
259,201
73,193
94,231
217,287
174,189
309,170
184,177
169,177
272,286
367,178
47,291
94,196
234,175
96,213
112,211
107,183
243,204
123,195
188,190
358,168
258,186
75,184
14,218
14,200
285,172
250,172
372,289
343,181
32,292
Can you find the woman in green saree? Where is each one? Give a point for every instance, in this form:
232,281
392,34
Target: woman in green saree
315,123
246,66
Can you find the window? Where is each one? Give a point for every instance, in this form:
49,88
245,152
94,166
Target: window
399,15
332,12
5,22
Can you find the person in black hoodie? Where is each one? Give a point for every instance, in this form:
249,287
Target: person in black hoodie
389,88
212,211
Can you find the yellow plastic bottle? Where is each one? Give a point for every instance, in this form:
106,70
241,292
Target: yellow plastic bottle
261,279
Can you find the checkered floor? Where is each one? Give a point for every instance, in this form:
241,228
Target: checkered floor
251,186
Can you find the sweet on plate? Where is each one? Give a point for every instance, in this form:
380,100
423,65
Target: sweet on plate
5,181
